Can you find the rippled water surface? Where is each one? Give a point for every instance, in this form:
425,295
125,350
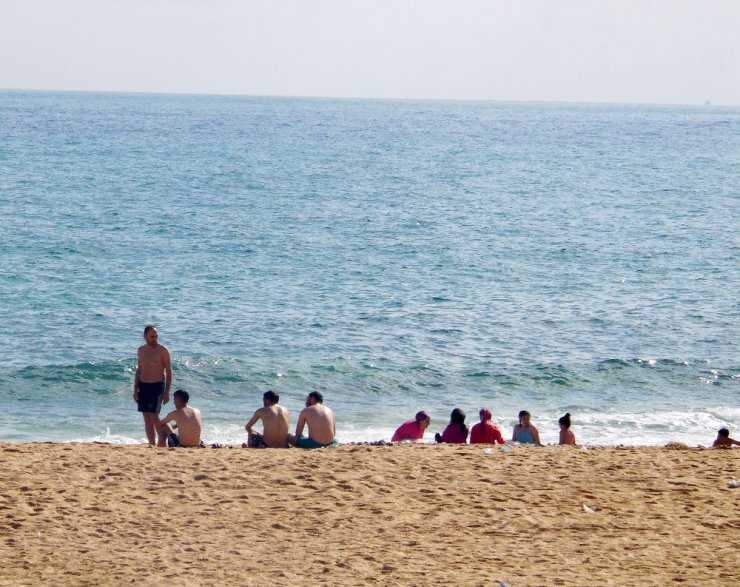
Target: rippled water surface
394,255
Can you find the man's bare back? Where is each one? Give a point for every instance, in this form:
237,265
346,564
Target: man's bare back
320,422
188,425
274,425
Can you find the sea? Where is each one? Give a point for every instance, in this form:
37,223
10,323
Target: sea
394,255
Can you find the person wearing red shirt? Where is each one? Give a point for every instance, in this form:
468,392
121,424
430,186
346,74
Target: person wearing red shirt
456,431
484,432
412,430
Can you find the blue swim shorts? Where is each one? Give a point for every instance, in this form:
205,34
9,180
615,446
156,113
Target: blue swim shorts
303,442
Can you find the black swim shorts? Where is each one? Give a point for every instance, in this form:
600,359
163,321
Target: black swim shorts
256,440
173,440
150,396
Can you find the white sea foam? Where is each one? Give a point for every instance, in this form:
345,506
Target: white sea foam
696,427
109,438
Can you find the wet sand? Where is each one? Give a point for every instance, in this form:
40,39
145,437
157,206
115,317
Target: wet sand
368,515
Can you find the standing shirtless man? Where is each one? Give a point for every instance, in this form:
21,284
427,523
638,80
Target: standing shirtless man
322,430
274,424
152,383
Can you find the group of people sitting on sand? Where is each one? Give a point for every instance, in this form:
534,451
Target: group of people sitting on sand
182,426
484,432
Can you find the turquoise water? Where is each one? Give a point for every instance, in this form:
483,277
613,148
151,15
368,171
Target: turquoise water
396,256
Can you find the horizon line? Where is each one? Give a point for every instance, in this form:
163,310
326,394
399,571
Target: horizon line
705,104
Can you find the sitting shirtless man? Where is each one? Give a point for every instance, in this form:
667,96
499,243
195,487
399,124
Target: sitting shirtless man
320,420
187,422
274,424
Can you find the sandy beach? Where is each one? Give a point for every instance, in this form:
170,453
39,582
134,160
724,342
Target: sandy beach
97,514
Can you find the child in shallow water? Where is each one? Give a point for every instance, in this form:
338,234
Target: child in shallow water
456,431
566,434
723,439
524,432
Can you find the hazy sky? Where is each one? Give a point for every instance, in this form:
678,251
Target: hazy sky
651,51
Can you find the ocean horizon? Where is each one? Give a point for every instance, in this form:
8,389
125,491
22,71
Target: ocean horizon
396,255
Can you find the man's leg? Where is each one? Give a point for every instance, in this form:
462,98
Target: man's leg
170,435
151,427
161,433
154,432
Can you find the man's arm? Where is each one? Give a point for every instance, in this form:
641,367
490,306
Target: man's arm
168,418
301,423
137,378
167,360
253,421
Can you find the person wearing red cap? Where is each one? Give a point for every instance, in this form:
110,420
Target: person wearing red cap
414,429
485,432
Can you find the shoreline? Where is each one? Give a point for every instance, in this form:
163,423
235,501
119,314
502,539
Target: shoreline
132,443
87,514
428,441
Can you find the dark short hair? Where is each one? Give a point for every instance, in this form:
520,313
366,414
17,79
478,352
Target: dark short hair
271,396
724,432
317,396
149,327
183,395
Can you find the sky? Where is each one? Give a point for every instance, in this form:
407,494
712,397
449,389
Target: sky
618,51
